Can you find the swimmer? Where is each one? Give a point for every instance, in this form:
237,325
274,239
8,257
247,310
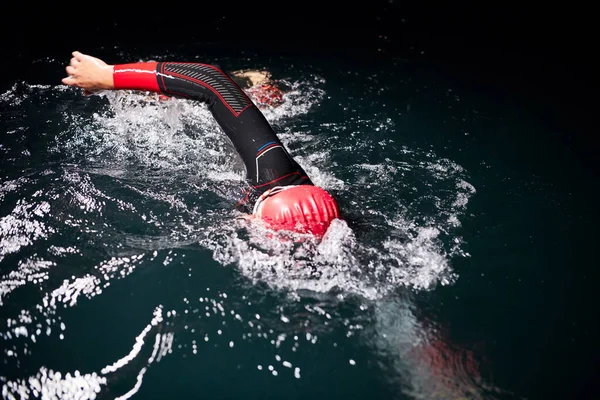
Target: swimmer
281,194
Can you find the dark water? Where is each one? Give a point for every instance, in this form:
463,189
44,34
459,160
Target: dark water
462,269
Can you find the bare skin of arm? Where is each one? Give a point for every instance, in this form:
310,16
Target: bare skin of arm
89,73
256,77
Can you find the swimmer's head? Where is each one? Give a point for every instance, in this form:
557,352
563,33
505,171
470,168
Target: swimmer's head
303,209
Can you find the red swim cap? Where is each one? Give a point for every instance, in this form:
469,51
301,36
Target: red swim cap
303,209
266,95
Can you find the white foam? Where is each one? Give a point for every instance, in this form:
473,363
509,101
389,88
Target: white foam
23,226
405,246
50,384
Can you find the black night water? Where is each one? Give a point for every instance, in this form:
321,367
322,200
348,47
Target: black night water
458,271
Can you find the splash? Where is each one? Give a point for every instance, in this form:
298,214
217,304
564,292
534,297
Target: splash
402,205
23,226
50,384
131,179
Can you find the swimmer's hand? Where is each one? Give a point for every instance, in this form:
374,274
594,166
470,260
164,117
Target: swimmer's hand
89,73
255,77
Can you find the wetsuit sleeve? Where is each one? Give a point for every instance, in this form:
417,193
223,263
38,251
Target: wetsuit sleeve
138,76
267,162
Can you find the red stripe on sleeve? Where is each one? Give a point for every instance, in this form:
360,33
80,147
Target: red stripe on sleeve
136,76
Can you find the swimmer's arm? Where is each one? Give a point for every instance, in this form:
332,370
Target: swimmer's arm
92,74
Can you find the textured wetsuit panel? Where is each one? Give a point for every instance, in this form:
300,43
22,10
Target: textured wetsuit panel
267,161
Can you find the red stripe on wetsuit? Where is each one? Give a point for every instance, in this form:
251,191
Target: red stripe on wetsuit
137,76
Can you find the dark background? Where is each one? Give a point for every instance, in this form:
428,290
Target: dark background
525,48
541,54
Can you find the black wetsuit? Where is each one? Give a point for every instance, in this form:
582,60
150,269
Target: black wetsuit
268,163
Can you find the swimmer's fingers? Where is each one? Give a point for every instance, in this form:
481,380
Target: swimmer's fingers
78,56
70,70
74,77
72,81
69,81
88,73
